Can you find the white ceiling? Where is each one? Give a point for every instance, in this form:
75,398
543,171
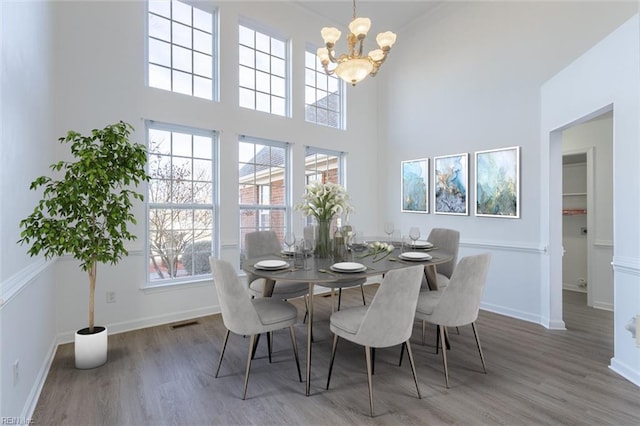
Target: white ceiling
389,15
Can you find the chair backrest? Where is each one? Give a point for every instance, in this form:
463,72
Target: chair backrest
460,300
389,318
447,240
238,312
261,243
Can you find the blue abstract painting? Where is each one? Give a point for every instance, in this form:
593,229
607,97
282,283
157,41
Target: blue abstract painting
450,182
414,185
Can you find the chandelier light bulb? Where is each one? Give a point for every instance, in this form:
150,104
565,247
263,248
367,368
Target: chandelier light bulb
330,35
386,39
360,27
376,55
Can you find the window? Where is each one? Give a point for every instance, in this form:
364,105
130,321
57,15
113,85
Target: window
324,165
263,75
181,48
263,186
323,96
181,217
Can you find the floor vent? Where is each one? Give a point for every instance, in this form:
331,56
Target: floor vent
184,324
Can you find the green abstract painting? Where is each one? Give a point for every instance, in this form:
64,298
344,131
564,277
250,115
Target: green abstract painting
498,182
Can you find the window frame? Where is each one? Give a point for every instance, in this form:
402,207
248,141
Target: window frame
259,207
341,92
215,48
214,206
272,33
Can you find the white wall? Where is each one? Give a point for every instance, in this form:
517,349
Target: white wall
597,134
100,79
467,78
27,144
604,77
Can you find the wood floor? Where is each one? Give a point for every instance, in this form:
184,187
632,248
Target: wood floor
165,376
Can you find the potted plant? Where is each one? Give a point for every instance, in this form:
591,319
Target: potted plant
84,212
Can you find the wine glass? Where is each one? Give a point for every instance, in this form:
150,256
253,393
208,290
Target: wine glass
388,229
308,244
290,240
414,234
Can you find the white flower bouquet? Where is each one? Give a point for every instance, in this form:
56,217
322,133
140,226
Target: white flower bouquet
324,200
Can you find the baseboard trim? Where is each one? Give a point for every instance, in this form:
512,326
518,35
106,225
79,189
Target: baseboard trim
603,306
38,385
504,246
625,371
151,321
501,310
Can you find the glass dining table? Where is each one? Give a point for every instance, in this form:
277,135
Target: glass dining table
322,272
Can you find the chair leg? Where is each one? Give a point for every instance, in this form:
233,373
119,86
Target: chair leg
246,374
269,343
224,346
413,367
437,338
255,347
424,328
401,354
444,357
475,333
364,301
333,356
339,297
367,354
306,309
295,351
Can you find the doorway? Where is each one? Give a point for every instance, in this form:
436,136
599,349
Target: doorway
587,202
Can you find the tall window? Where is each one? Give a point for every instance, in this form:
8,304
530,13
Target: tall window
263,74
325,166
181,202
263,186
181,48
323,95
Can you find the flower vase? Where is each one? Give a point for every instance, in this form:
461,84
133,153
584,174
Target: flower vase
323,239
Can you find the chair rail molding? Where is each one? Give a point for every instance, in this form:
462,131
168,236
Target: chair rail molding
13,285
504,245
627,265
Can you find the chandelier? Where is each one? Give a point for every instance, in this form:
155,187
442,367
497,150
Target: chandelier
354,66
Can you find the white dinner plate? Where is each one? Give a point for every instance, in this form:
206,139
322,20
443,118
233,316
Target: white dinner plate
288,252
271,264
348,267
413,255
421,244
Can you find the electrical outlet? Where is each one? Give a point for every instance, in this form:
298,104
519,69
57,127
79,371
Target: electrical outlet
16,371
111,297
583,231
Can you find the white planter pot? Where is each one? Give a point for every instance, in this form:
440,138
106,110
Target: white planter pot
91,349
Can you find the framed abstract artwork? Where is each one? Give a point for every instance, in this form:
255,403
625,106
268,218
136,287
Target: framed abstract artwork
450,184
498,183
415,186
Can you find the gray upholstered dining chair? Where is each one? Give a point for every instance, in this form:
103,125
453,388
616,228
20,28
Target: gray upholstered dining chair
458,303
387,321
447,240
264,243
249,317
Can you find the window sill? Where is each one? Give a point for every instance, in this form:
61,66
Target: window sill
177,285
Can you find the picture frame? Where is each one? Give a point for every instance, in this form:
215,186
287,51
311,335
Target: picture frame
414,186
497,175
451,184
